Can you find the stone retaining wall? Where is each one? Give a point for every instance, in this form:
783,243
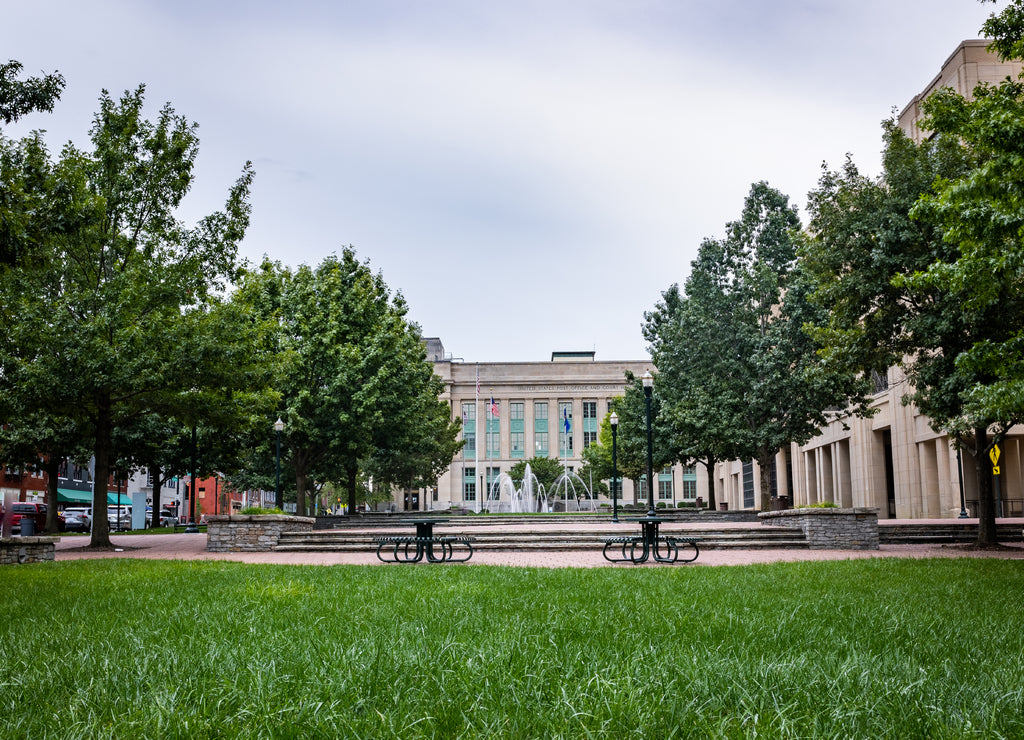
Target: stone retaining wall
14,550
255,533
830,529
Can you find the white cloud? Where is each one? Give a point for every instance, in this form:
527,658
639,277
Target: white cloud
508,166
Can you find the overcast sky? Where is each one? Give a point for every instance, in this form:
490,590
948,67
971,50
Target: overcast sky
530,175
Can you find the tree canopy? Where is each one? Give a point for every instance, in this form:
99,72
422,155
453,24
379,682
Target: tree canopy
738,375
111,318
357,392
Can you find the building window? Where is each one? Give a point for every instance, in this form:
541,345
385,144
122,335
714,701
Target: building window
492,479
540,428
565,445
517,429
469,484
690,483
665,484
748,485
493,439
880,380
590,424
469,430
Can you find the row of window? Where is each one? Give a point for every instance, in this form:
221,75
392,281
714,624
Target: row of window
517,428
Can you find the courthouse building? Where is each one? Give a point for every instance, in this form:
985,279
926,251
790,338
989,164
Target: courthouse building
514,411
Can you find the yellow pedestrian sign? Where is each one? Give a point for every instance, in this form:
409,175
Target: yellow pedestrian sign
993,455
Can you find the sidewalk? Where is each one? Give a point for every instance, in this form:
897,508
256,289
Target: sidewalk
193,547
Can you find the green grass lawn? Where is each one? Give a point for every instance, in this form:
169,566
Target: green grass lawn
863,649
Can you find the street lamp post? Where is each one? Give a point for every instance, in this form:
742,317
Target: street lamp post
192,528
278,427
614,421
648,382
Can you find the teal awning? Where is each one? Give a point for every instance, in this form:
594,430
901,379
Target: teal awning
67,495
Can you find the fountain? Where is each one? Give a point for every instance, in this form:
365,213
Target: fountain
571,489
528,498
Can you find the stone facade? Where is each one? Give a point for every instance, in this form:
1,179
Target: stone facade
257,533
14,550
830,529
970,65
533,400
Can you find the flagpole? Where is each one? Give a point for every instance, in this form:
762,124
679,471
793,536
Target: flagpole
565,459
479,459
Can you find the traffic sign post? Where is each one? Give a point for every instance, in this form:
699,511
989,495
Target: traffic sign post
993,455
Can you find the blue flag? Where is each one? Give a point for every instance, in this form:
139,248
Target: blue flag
565,416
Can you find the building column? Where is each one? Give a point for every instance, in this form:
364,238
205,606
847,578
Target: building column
844,480
811,476
929,477
824,465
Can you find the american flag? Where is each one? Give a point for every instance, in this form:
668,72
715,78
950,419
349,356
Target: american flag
494,407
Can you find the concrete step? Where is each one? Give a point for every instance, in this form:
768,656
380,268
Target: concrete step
942,533
355,541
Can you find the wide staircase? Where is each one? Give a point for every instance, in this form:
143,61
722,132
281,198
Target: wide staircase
944,533
718,530
544,532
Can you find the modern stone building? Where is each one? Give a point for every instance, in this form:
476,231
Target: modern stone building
533,401
971,64
893,461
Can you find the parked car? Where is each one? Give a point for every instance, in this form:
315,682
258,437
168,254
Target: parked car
167,519
77,520
34,510
125,520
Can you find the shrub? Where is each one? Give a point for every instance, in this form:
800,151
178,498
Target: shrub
258,510
822,505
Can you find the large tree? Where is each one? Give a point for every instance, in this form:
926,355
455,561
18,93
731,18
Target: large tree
107,317
893,276
740,376
700,405
357,393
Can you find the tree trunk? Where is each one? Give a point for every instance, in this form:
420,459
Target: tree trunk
764,463
154,474
710,468
351,485
986,501
101,452
300,492
50,466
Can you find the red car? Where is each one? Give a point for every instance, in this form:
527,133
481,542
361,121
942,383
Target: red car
35,511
